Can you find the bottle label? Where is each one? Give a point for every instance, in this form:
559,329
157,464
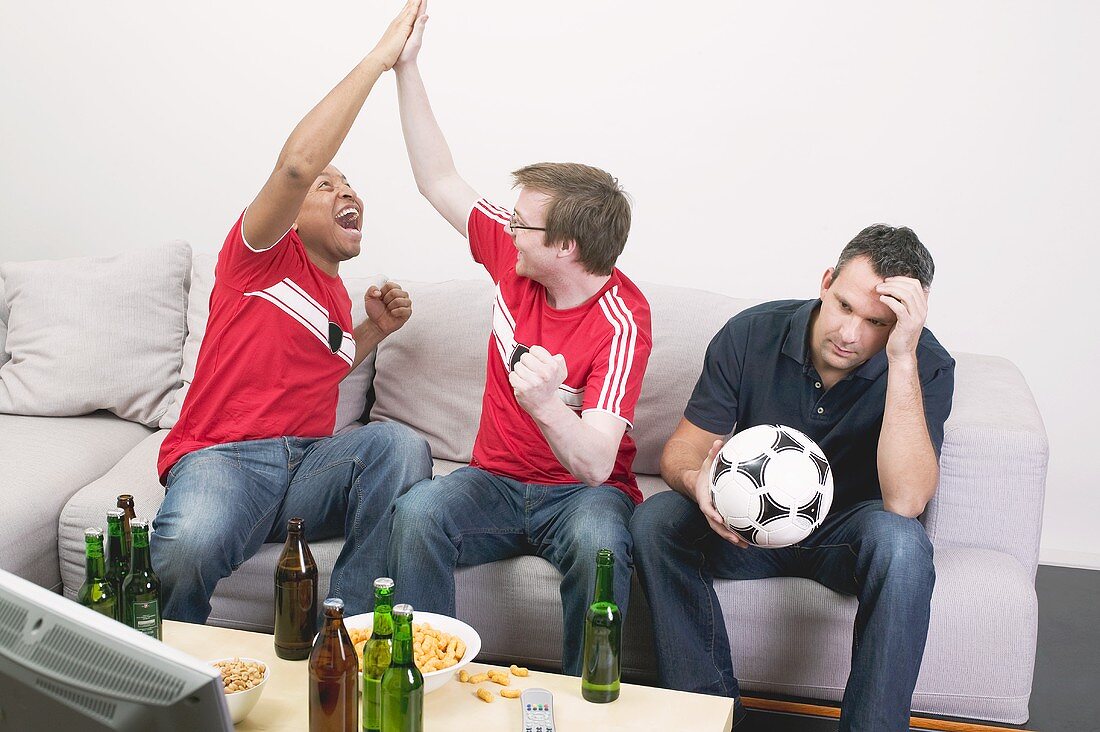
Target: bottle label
146,617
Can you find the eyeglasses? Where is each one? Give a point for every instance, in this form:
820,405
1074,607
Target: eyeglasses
512,226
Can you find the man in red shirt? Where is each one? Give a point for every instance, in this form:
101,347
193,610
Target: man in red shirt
551,470
253,446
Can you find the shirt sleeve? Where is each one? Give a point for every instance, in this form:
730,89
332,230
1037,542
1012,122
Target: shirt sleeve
713,403
615,381
490,243
242,267
938,392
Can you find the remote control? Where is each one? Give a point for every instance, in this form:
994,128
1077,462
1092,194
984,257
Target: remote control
538,710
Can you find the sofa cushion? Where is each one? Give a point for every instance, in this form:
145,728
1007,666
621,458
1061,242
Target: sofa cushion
93,333
431,373
4,355
44,461
353,389
684,322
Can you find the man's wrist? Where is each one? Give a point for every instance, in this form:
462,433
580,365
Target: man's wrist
369,329
906,361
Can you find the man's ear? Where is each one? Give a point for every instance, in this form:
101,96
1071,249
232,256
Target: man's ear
567,247
826,281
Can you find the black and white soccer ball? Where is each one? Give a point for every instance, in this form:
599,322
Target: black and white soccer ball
772,485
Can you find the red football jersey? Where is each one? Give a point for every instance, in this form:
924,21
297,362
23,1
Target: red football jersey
277,344
606,343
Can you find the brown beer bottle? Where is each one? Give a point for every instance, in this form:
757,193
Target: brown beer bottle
295,596
126,503
333,675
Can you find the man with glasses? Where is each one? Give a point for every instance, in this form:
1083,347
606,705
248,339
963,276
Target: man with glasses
253,446
856,370
551,471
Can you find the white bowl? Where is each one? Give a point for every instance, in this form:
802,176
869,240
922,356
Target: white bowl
240,703
433,679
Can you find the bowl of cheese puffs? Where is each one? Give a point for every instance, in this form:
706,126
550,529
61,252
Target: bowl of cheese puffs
442,645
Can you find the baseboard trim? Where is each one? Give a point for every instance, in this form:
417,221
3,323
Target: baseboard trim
829,712
1065,558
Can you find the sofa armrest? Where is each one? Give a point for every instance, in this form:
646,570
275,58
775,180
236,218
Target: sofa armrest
993,465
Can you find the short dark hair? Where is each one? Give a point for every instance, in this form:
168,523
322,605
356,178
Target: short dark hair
587,205
893,252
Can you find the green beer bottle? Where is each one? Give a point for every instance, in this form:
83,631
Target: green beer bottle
118,559
402,683
377,653
603,633
141,588
96,592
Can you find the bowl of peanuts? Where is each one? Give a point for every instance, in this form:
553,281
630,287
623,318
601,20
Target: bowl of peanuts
243,680
442,645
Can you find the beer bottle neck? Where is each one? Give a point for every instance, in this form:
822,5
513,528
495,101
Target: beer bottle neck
605,587
402,643
139,557
94,564
114,540
383,614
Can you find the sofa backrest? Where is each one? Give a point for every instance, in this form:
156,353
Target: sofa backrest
431,373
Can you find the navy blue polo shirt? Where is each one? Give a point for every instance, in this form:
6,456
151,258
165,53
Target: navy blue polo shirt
758,370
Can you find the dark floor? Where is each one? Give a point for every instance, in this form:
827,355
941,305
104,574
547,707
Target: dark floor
1065,695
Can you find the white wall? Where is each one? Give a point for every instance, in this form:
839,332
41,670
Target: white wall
755,138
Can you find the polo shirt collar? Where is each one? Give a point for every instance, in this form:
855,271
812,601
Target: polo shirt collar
794,345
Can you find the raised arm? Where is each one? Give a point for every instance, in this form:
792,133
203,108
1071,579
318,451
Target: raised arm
908,470
314,142
432,164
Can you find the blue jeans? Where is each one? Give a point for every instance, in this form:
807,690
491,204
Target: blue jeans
473,517
223,502
882,558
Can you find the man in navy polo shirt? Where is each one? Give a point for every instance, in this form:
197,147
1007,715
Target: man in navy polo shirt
857,371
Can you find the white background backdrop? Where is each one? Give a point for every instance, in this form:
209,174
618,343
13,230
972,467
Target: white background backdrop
755,138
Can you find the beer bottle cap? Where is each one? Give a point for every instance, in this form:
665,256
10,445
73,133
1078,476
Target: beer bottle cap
383,583
294,524
334,603
139,523
404,610
92,531
116,513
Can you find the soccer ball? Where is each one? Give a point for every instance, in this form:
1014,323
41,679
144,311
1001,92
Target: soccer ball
772,485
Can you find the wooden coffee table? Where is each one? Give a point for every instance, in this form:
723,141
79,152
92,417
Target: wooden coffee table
284,704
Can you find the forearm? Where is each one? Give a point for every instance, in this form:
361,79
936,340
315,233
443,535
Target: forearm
433,167
586,452
316,139
907,465
367,337
680,463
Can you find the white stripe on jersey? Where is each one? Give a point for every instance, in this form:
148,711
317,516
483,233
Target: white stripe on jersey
620,359
291,299
487,208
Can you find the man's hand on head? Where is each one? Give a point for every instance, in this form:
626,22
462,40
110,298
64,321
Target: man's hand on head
388,307
703,496
536,378
909,301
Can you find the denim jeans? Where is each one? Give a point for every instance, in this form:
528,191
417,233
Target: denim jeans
223,502
473,517
884,559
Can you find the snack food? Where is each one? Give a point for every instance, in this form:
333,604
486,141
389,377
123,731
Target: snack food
485,695
510,693
433,649
518,670
238,675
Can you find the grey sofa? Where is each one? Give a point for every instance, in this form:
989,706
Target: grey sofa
789,636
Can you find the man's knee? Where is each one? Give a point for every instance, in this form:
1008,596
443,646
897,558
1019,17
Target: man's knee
659,518
899,546
419,508
395,444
